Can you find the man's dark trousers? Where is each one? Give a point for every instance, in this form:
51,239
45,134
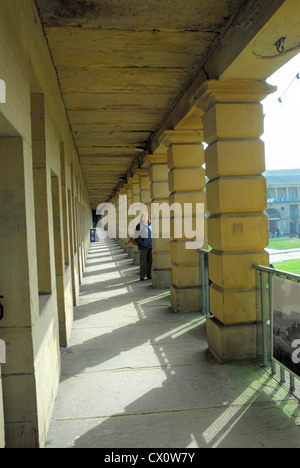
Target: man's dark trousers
145,263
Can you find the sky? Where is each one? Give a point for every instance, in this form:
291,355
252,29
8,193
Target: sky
282,120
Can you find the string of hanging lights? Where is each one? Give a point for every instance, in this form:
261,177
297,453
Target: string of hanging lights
280,98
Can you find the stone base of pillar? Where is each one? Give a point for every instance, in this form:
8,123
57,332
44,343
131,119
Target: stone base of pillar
161,279
130,251
136,257
185,299
228,343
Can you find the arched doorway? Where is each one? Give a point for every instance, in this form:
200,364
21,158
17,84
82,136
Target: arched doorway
274,222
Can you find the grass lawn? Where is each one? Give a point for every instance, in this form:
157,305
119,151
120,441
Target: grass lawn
284,244
290,266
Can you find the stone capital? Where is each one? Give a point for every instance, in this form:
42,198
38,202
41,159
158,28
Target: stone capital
142,172
192,120
160,150
134,179
181,137
157,158
145,163
230,91
123,190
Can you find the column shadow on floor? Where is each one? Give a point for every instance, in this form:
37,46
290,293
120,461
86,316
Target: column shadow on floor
140,375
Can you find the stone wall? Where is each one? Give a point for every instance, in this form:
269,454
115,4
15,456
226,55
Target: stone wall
44,231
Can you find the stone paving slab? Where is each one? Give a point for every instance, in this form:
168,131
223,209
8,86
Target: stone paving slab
254,426
156,389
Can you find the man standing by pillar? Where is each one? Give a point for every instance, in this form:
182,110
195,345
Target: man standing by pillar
144,240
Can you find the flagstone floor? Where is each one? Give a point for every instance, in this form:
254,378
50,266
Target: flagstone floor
138,375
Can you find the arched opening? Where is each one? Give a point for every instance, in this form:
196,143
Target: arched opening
274,222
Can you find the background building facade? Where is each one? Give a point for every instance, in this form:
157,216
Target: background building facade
283,202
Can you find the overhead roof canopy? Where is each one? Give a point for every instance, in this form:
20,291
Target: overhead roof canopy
124,65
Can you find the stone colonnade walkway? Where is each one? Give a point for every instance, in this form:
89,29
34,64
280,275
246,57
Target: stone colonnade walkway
137,375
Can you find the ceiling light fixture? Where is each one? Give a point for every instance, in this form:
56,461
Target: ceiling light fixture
139,149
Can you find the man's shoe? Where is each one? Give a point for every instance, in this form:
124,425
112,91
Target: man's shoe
142,279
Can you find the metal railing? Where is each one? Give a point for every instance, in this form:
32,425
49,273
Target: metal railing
264,317
204,281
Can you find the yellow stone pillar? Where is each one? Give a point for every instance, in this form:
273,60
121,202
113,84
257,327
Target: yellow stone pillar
41,187
236,200
136,200
145,197
186,185
113,228
129,218
135,183
116,204
19,286
123,226
159,192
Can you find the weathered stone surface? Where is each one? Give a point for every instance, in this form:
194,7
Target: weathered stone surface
121,67
152,13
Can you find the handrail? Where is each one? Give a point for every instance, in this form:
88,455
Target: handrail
256,266
265,321
203,251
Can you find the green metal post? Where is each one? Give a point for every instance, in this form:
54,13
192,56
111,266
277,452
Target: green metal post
282,375
292,383
206,260
203,298
270,276
203,271
264,319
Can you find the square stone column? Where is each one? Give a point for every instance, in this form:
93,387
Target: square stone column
19,286
135,183
113,230
236,200
136,199
145,198
186,185
130,218
41,188
116,203
123,224
159,192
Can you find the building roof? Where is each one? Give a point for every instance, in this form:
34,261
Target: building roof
283,177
